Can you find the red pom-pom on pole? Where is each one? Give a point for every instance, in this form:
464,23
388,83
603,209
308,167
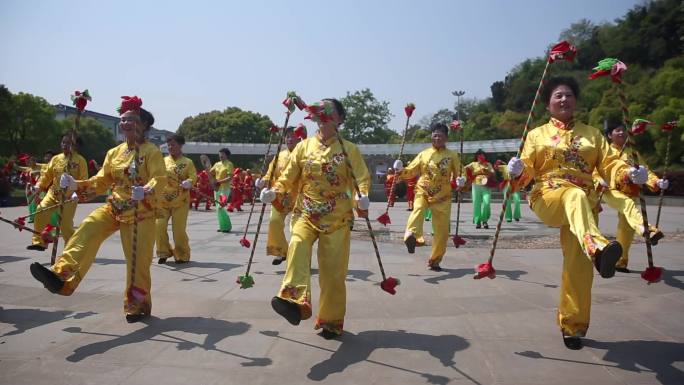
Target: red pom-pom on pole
409,109
389,285
652,274
384,219
485,270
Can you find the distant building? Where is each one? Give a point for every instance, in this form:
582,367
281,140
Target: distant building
155,136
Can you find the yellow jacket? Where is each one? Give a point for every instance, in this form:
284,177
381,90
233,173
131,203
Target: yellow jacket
289,197
436,168
49,178
556,155
174,195
221,170
481,172
116,174
320,170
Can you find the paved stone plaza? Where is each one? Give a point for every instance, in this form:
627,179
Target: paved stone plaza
440,327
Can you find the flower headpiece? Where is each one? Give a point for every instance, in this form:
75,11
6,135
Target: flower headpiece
321,111
130,103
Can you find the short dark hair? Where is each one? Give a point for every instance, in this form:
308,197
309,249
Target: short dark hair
178,138
437,126
612,124
339,108
225,152
146,118
480,152
49,152
288,130
77,139
559,81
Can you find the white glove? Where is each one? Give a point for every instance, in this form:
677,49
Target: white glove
638,175
663,184
515,167
67,181
186,184
259,183
363,203
137,193
267,195
398,165
460,181
74,197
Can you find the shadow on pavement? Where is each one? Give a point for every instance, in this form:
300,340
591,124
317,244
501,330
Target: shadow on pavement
352,275
11,258
25,319
157,329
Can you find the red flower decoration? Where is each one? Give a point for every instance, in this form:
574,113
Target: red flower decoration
274,129
292,100
458,241
245,242
384,219
80,99
129,103
669,126
652,274
485,270
562,51
46,234
21,221
409,109
390,284
639,126
300,131
455,125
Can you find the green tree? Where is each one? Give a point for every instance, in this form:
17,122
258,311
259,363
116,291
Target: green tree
27,123
231,125
97,139
367,118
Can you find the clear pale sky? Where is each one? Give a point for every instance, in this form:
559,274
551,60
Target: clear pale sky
187,57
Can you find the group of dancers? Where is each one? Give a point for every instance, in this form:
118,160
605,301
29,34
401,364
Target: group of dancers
311,182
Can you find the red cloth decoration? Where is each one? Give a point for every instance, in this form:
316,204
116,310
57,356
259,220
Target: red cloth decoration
485,270
80,99
321,111
292,100
469,174
390,284
562,51
223,200
652,274
46,234
237,171
300,131
455,125
453,184
129,103
410,107
23,158
669,126
245,242
21,221
639,126
458,241
384,219
274,129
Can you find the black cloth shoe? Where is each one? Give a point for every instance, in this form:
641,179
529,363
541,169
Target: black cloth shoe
572,343
131,318
485,225
410,243
605,259
658,235
36,247
277,260
517,219
478,225
434,267
48,278
328,334
622,270
289,310
162,260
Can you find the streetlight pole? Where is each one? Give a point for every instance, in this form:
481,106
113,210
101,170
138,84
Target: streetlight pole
458,95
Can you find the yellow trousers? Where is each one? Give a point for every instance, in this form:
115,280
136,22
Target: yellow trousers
179,224
333,262
277,243
629,221
43,218
571,209
441,213
82,248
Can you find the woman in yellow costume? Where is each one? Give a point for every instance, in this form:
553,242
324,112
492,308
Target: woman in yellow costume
222,172
624,198
55,191
276,245
480,172
130,209
437,166
175,203
320,168
561,156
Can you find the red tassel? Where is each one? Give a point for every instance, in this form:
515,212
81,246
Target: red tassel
389,285
669,126
485,270
245,242
653,274
458,241
384,219
409,109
